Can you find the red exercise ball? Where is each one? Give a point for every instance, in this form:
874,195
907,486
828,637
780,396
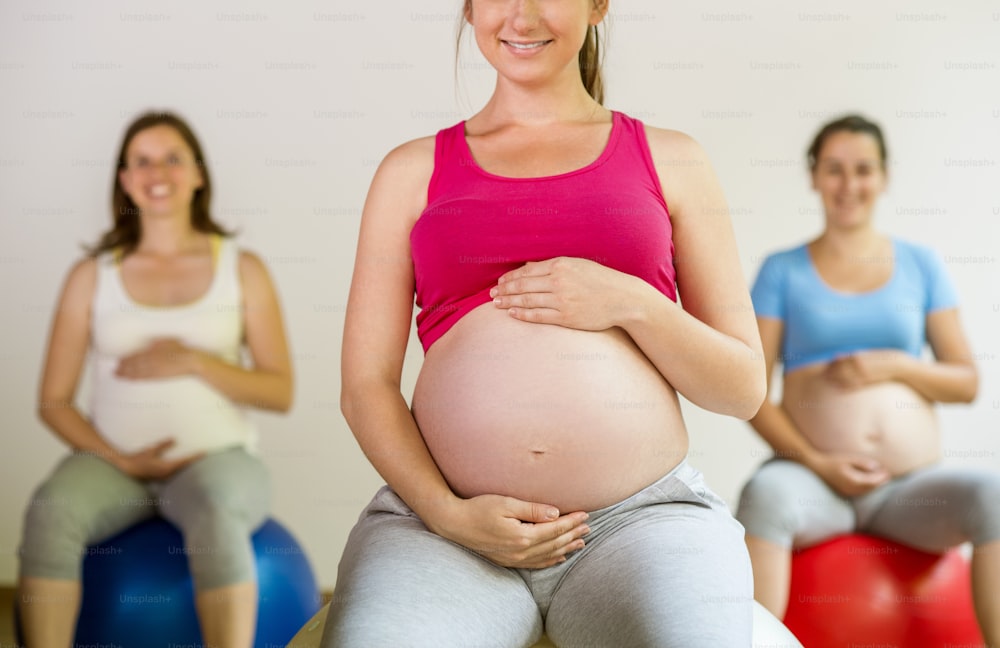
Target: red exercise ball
858,590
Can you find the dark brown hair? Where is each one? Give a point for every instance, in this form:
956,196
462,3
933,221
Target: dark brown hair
591,57
851,124
126,226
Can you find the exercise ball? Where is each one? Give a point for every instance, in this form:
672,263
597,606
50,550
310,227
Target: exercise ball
138,591
865,591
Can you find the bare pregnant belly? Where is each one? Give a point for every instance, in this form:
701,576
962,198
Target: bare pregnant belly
888,421
575,419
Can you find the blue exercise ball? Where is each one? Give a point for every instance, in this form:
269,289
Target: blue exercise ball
138,591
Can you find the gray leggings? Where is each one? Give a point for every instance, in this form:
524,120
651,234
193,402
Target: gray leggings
666,567
933,508
216,502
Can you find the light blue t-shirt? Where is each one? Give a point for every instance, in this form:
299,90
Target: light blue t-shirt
821,323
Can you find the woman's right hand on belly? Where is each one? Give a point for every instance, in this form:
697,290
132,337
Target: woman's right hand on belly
149,462
849,474
514,533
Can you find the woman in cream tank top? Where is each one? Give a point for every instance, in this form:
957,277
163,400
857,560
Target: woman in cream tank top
166,307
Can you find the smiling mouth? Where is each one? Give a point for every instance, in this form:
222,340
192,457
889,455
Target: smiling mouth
526,46
159,191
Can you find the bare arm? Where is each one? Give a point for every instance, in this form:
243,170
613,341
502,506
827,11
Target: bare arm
709,350
65,355
376,331
772,422
267,384
379,313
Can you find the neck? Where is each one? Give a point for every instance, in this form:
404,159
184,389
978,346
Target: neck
565,100
168,236
844,242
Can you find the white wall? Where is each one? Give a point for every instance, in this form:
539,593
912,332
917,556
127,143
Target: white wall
295,106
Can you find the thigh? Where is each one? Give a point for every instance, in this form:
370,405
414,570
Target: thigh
84,501
400,585
91,498
231,485
790,505
935,508
671,572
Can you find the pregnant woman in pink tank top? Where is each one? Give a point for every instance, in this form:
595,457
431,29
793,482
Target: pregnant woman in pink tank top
537,479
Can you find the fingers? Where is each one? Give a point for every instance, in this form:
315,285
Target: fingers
869,478
149,463
569,542
518,533
530,269
124,367
869,466
531,511
137,365
541,514
543,536
538,315
527,301
547,543
861,462
159,447
183,462
551,541
853,475
522,286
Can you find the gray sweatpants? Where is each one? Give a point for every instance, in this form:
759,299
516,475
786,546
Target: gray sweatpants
932,509
666,567
216,502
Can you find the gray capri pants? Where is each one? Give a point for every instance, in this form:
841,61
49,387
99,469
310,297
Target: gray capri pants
666,567
216,502
931,508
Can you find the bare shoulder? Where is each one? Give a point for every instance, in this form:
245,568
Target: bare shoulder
671,147
250,262
253,272
81,279
685,172
78,290
413,160
398,192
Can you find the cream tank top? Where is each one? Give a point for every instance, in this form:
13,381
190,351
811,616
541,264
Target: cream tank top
134,414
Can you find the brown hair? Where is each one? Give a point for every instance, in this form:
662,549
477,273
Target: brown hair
591,60
591,57
851,124
126,227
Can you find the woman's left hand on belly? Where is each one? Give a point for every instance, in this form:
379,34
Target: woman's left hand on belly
566,291
164,358
864,367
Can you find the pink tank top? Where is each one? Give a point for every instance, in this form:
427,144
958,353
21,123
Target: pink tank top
477,225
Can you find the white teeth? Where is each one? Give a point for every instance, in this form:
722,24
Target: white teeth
159,191
526,46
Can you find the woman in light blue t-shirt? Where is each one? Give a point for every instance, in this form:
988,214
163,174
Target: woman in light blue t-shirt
856,441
